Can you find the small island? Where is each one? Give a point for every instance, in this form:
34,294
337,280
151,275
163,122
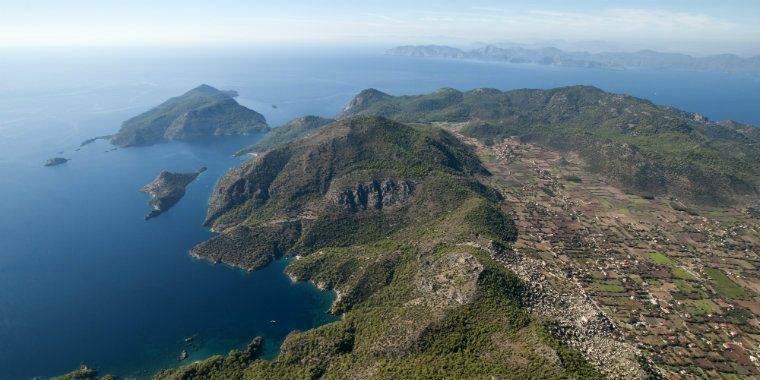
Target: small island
167,189
55,161
202,112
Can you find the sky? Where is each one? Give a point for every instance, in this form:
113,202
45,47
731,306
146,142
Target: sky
696,26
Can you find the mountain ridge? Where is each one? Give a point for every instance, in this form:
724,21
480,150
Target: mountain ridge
646,148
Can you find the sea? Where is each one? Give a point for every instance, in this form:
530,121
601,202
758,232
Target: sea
84,279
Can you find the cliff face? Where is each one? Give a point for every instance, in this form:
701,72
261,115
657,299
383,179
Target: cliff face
374,195
201,112
348,172
644,148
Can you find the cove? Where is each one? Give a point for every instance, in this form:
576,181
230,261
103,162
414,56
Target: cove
84,279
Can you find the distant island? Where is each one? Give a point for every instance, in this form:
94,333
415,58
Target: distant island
167,189
728,63
201,112
55,161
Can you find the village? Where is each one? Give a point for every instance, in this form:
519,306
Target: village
678,285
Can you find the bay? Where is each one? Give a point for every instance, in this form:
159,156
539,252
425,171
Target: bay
83,278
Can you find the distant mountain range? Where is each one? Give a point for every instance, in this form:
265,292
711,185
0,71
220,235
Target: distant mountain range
728,63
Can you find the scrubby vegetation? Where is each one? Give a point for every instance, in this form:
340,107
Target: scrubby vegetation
395,326
408,173
645,148
418,296
217,367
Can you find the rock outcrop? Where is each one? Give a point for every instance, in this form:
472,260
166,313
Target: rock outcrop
374,195
449,281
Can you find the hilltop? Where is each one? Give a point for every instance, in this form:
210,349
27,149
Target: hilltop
645,148
201,112
351,169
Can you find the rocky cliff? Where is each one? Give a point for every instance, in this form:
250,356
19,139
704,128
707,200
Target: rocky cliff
345,174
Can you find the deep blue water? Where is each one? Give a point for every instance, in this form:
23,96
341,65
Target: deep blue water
83,278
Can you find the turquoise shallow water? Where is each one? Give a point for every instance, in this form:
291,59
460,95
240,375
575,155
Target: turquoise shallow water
83,278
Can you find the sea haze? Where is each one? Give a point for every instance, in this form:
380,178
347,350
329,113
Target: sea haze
83,278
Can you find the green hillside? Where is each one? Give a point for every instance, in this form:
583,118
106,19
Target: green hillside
395,219
645,148
293,130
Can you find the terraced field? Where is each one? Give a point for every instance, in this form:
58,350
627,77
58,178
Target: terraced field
681,286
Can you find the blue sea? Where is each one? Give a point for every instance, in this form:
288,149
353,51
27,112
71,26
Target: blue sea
84,279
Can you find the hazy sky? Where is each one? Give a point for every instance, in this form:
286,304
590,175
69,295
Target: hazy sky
689,25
